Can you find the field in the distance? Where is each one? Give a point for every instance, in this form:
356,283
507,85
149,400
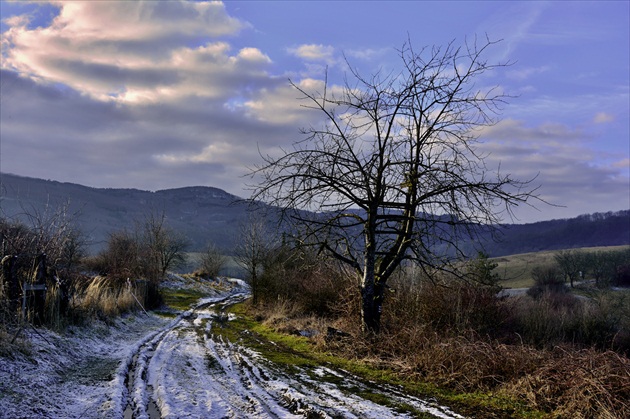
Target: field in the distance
516,270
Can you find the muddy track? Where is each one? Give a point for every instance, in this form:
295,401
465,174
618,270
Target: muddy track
139,399
184,370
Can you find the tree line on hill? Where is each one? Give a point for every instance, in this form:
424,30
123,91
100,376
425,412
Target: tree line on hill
204,215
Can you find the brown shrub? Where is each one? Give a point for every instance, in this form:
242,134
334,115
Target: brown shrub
448,306
461,336
313,285
553,319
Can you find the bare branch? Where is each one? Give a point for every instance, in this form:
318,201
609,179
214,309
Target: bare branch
394,173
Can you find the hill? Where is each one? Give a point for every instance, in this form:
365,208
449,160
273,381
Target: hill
202,214
589,230
206,214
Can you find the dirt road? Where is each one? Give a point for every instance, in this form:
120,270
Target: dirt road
187,371
148,366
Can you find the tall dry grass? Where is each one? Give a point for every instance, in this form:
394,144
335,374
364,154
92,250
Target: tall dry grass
104,298
576,384
550,352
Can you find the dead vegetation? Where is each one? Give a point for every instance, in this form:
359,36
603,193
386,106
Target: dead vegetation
559,354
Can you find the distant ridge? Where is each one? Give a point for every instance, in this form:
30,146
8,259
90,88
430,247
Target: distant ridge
203,214
211,215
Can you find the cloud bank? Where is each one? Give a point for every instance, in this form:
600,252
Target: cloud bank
155,95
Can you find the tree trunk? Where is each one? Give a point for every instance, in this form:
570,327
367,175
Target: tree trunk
254,284
371,302
372,308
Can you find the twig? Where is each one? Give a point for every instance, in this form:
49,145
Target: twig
33,327
135,298
40,335
17,333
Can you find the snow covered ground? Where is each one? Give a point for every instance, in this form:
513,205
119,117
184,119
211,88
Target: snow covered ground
147,366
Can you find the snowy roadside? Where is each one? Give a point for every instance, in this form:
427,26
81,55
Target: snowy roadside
70,375
73,374
147,366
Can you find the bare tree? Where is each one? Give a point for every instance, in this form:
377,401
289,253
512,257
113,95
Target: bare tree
121,258
573,264
252,250
212,261
164,246
394,173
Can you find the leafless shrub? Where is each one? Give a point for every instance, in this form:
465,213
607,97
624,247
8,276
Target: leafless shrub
49,235
161,248
547,278
120,259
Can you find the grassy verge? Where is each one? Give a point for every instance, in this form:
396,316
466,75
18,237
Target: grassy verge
290,351
181,299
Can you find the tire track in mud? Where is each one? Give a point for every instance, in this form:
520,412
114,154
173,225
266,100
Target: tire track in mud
184,370
316,392
138,399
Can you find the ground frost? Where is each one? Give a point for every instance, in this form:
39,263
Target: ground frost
177,368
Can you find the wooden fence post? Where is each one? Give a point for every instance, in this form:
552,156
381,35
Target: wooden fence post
38,289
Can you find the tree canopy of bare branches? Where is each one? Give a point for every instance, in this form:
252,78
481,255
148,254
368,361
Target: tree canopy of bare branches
394,173
164,247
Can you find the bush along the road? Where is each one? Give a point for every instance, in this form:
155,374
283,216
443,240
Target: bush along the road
47,280
554,352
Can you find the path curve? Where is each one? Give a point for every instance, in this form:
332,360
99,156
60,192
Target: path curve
184,370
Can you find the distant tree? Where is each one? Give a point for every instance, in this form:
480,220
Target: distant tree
604,264
600,266
572,263
482,270
394,173
212,261
252,252
164,247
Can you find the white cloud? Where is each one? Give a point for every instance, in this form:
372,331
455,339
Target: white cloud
515,130
133,51
603,118
622,164
285,105
315,52
253,55
132,94
367,53
141,20
564,163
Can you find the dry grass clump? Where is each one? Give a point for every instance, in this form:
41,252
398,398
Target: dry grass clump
105,298
469,365
577,384
287,317
565,382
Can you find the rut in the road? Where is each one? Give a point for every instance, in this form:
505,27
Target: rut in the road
138,399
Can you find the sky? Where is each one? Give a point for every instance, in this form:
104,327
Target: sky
164,94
